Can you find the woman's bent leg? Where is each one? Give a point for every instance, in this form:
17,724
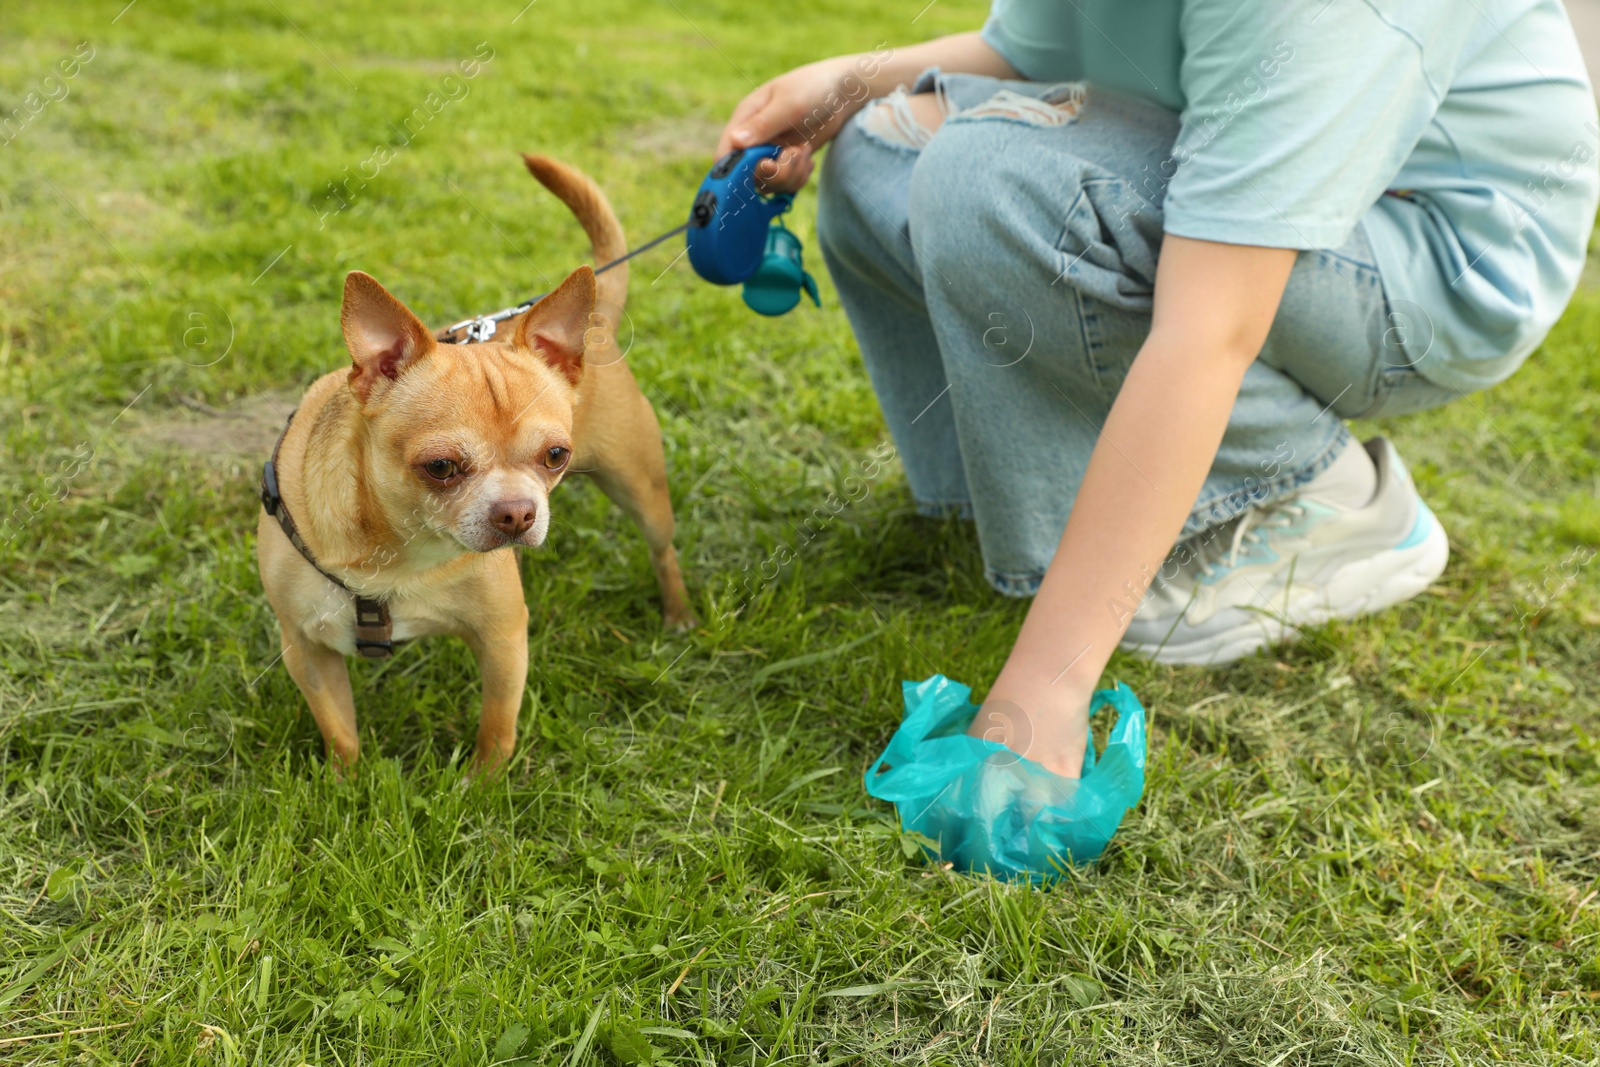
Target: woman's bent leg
1022,247
1038,230
863,229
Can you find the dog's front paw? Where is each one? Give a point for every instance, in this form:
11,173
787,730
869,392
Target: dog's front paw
486,763
680,620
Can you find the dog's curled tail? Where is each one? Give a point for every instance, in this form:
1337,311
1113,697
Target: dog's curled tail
579,192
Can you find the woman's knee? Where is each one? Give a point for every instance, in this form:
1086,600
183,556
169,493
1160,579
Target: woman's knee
959,195
901,150
978,202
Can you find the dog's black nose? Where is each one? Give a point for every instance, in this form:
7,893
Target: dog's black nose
513,517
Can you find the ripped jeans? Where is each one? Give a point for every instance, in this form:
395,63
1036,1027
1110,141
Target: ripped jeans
998,275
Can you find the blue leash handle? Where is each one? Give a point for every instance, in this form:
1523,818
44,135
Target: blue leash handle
729,220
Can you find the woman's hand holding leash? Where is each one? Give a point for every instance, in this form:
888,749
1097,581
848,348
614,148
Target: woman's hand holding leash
804,108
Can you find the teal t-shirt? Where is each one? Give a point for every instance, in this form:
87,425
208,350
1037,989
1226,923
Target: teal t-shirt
1462,134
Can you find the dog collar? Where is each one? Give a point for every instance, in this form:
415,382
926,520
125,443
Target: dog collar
374,628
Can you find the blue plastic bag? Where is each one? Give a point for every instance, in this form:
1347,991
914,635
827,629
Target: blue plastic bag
992,810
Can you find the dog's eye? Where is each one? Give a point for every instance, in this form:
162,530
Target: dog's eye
556,458
441,470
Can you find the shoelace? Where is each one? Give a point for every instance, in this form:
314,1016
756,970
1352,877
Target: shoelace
1247,531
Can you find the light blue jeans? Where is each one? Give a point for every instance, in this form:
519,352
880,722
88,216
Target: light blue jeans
998,276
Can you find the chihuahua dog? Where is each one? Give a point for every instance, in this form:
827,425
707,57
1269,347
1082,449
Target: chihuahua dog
399,488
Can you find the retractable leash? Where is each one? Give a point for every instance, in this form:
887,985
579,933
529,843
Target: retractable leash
735,234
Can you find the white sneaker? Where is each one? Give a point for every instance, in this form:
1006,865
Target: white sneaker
1292,563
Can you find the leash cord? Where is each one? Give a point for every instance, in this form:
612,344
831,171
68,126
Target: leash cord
629,255
482,327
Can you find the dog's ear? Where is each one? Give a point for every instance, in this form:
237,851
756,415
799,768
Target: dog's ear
554,328
385,339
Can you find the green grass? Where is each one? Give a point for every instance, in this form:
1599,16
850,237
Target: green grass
1380,847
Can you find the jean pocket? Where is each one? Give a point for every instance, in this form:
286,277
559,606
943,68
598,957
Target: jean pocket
1109,242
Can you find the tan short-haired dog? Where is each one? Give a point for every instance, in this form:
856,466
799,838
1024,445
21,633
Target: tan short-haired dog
396,492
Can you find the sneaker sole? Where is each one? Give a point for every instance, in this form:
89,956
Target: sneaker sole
1361,588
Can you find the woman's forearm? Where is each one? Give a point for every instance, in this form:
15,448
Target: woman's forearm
1214,306
960,53
803,108
1144,475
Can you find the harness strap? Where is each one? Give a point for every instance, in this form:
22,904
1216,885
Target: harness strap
374,628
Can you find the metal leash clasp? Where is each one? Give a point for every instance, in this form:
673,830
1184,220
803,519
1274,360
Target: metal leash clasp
480,329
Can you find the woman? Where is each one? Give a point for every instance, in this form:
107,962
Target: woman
1119,270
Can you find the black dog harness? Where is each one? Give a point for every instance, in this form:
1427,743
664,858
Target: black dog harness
374,628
